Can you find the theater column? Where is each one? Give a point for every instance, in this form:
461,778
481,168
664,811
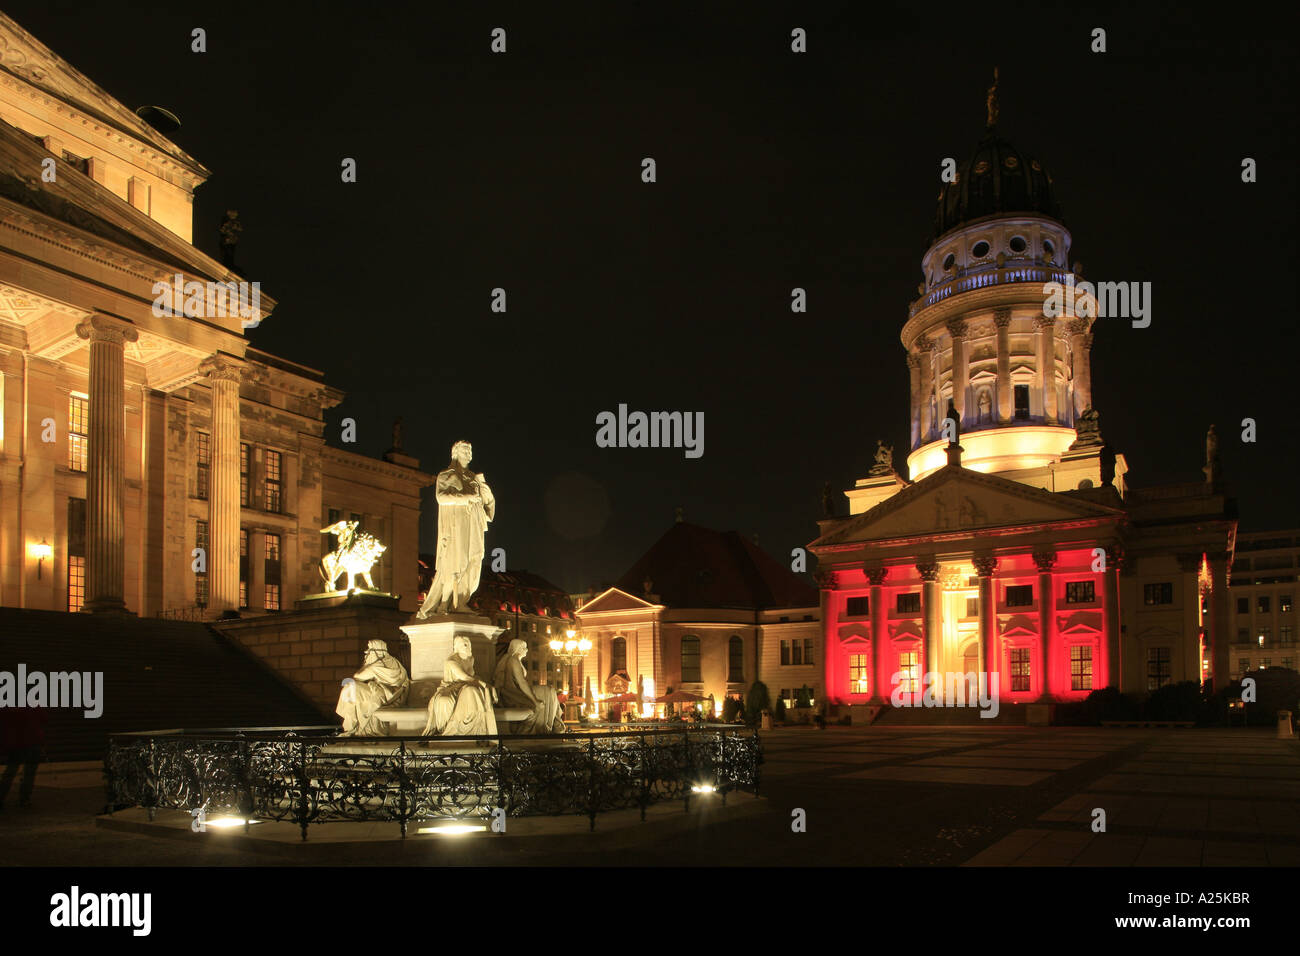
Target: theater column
1219,666
880,671
957,329
223,374
831,657
930,609
1044,561
105,472
1002,319
984,567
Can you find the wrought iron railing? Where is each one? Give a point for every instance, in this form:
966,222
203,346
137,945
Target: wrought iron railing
309,775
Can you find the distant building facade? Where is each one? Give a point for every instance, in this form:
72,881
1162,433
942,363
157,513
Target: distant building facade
709,613
1263,601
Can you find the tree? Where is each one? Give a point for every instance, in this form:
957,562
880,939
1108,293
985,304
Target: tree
779,712
758,701
803,696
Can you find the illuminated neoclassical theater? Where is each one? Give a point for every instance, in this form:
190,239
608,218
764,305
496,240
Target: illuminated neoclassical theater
1014,545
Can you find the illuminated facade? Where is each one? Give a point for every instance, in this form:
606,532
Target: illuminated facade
706,612
1264,590
1018,549
129,439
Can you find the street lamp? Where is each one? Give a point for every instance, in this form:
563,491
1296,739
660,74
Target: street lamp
572,650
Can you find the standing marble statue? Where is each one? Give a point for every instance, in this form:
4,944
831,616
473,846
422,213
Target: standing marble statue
382,680
516,691
465,506
462,704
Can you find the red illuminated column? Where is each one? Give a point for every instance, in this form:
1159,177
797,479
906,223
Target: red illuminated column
1044,560
930,609
984,567
832,653
1218,629
880,665
1110,598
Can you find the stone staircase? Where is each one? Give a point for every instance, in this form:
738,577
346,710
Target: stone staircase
158,674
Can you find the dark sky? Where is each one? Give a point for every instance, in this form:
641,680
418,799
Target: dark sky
775,170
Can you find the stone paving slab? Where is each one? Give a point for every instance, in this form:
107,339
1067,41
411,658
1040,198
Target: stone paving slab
959,775
1213,786
991,760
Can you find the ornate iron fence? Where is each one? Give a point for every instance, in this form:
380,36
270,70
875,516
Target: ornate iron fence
309,775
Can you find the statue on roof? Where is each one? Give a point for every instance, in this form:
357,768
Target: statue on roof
1213,470
884,459
992,101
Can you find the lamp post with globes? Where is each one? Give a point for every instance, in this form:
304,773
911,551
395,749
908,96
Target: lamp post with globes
572,650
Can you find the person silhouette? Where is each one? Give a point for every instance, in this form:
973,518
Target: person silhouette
22,737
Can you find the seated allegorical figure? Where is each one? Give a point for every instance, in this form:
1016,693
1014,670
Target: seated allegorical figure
382,680
462,704
516,691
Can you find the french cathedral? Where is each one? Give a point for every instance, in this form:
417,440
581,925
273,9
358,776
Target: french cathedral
1012,543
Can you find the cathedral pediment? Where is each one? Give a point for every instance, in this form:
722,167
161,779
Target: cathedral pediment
615,600
956,499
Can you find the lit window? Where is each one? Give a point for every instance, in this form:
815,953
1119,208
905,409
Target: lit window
858,678
690,659
201,577
1019,669
274,487
204,476
272,597
244,456
1162,593
909,669
271,559
1158,667
243,567
1080,668
78,431
76,582
1080,592
1284,603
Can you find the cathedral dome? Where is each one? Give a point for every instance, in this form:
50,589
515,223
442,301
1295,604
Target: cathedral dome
997,180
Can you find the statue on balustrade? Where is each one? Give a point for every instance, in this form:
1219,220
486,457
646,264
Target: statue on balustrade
516,691
381,681
462,704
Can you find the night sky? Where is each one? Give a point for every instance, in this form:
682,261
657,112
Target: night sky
775,170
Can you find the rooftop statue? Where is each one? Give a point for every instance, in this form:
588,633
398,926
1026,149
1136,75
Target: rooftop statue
355,555
465,506
382,680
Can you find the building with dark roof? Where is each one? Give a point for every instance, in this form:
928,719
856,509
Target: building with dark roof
706,612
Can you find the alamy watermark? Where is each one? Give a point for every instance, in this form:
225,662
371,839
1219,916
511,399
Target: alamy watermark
209,300
77,689
1117,300
651,430
951,689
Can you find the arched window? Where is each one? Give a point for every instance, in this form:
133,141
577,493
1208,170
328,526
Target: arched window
617,655
690,659
736,659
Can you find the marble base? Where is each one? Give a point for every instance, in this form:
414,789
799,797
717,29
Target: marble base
353,598
431,644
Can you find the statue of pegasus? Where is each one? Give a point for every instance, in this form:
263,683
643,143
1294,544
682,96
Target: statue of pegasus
355,555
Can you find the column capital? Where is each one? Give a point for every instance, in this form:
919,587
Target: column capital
99,327
1079,326
1044,560
825,579
1002,318
985,565
876,576
926,344
223,368
928,570
1044,323
1188,562
957,328
913,360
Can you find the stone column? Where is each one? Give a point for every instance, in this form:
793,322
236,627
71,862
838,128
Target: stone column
1081,364
984,567
914,376
106,474
1047,654
1189,563
926,359
1115,559
880,669
929,572
1045,373
1006,402
1218,631
831,657
960,371
223,373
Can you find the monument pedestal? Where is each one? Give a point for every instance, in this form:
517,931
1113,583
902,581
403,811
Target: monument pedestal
431,644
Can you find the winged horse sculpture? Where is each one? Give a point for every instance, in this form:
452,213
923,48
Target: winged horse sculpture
355,555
